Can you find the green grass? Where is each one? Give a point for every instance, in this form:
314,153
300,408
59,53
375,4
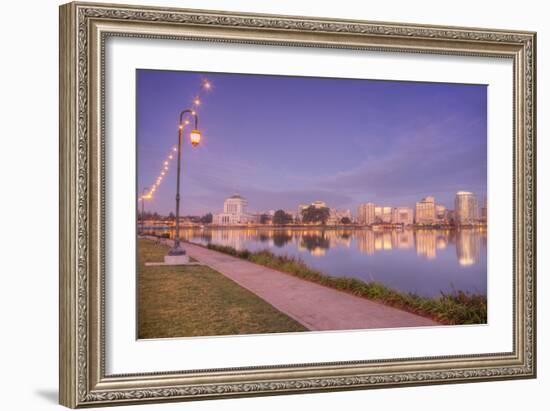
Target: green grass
456,308
185,301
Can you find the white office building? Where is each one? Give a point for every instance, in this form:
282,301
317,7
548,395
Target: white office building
234,212
402,215
366,214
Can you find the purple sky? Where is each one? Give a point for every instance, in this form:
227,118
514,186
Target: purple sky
280,141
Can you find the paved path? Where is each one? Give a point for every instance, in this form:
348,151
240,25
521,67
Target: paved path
316,307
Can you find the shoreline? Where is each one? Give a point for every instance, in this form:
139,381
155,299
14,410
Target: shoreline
458,308
380,227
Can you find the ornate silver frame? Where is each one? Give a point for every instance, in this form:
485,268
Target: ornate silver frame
83,30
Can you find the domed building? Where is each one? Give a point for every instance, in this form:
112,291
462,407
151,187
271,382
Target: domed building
234,212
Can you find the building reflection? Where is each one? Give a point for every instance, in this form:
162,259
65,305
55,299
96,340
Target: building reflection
371,241
405,240
366,241
427,243
468,245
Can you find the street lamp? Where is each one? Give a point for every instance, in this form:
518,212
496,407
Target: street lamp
177,254
143,194
195,137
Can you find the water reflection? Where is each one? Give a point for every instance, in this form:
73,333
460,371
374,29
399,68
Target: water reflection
316,244
468,246
426,262
426,242
280,239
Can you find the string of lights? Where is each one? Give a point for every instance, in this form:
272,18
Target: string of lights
205,86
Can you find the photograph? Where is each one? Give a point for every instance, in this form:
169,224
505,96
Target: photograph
259,203
283,204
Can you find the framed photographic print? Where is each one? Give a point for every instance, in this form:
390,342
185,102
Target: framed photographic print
258,204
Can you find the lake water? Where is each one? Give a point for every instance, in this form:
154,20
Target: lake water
426,262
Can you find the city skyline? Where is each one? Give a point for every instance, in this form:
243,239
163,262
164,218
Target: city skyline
426,212
345,142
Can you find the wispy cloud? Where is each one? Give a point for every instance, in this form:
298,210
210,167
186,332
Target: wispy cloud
281,141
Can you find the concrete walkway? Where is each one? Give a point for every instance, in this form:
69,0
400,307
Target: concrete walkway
316,307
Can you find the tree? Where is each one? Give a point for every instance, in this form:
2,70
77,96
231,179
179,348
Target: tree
171,216
315,215
315,241
280,239
280,217
264,219
147,215
207,218
345,220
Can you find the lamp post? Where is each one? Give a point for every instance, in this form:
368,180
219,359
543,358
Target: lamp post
145,190
176,255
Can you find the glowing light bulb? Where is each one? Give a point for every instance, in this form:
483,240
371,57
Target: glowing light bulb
195,137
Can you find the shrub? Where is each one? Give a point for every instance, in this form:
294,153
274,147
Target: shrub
457,307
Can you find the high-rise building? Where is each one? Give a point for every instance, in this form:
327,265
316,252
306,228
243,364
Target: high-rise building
484,211
402,215
386,215
440,213
382,214
425,211
366,213
466,208
235,205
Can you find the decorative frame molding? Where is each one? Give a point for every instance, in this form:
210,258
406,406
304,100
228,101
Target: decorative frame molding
83,30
